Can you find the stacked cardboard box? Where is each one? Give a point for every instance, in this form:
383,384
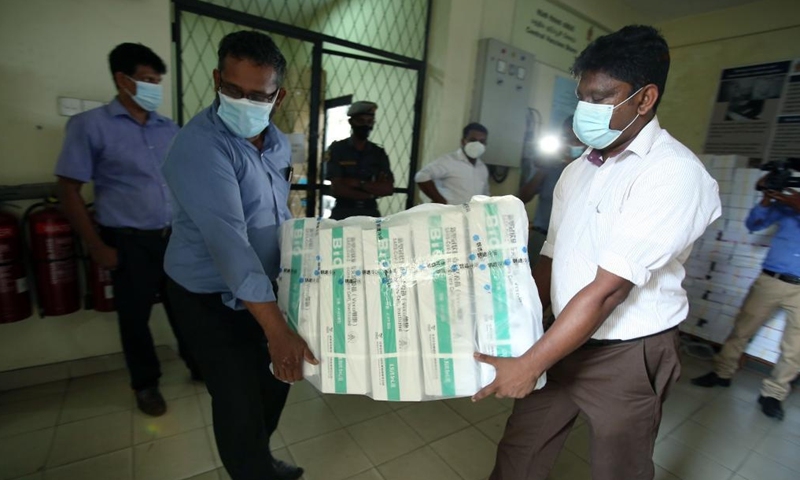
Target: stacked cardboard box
400,304
727,259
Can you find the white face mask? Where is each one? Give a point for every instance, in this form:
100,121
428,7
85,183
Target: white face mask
243,117
474,149
148,95
592,123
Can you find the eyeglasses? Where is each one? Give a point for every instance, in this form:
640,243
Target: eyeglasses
236,93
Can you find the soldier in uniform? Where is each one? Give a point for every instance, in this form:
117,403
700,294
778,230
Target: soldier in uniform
358,169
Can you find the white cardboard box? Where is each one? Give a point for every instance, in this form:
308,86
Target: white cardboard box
298,285
343,326
392,319
504,291
446,312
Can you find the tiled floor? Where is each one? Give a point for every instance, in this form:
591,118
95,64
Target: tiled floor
87,428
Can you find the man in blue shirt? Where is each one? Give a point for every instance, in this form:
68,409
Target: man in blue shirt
228,170
777,287
120,147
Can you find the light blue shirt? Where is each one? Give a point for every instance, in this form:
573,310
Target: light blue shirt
123,158
230,201
784,251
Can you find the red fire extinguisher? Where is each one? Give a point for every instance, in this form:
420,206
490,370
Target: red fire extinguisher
99,285
102,288
15,299
54,260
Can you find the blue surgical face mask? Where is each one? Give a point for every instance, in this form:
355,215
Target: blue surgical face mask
148,95
245,118
592,123
576,151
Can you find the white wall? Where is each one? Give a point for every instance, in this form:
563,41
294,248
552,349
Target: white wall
60,48
702,45
457,26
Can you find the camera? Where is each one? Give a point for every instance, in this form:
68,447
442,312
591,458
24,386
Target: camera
780,176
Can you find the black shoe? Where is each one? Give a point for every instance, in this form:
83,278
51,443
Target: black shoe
285,471
771,407
711,380
151,402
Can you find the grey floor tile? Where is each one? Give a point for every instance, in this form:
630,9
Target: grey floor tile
422,464
111,466
385,438
29,415
91,437
24,454
180,456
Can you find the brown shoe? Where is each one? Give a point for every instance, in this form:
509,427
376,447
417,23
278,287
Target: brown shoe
150,402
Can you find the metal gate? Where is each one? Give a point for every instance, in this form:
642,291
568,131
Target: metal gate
335,49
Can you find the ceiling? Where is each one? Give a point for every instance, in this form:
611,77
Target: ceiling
661,10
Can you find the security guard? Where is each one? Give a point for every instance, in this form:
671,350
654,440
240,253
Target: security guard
358,169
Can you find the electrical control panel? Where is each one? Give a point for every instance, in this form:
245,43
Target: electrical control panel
503,76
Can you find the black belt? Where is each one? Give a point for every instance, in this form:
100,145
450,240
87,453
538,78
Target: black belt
794,280
592,342
347,203
161,232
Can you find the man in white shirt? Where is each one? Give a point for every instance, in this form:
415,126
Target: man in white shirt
455,177
625,216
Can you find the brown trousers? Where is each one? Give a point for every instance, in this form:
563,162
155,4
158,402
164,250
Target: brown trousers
619,387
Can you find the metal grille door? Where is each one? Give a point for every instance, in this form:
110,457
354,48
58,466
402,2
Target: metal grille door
368,49
393,88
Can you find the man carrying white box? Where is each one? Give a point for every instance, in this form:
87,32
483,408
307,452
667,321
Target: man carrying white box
624,218
778,286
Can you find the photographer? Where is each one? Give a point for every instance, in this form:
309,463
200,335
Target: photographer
777,287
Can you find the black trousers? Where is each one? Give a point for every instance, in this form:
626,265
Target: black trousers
138,281
340,213
247,400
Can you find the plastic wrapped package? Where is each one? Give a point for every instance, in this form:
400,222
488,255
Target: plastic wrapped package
392,318
298,285
503,288
395,307
447,327
342,326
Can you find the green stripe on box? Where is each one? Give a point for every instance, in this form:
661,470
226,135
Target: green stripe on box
387,316
298,232
494,235
337,259
440,293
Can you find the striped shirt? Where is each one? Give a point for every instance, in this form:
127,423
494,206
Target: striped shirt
636,216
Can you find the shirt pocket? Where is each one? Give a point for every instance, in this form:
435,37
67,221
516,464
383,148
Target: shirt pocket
600,219
606,213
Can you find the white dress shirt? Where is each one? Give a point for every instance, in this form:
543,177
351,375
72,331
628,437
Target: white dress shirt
456,178
636,216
